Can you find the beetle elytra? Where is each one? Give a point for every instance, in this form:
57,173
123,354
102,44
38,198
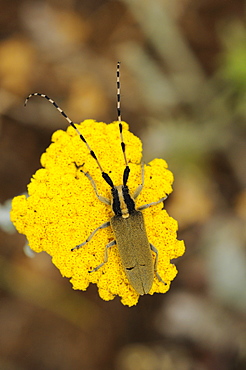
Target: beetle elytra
127,223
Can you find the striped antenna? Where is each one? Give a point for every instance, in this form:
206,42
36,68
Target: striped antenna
123,145
104,174
119,112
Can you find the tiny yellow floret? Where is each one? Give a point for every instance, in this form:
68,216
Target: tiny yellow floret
62,209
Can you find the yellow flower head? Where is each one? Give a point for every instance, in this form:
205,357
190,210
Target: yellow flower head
62,209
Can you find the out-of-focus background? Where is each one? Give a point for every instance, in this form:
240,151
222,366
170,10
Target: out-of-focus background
183,76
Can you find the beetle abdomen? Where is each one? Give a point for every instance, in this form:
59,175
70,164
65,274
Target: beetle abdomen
134,250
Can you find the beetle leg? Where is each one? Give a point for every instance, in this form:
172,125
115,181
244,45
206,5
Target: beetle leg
100,197
153,248
106,224
113,242
152,204
140,187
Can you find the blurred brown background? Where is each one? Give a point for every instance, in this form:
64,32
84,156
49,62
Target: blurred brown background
183,76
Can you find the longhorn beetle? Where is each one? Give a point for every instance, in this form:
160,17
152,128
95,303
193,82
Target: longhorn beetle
128,222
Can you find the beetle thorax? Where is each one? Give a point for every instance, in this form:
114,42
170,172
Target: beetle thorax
122,203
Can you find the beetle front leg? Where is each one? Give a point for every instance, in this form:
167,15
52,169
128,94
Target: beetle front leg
140,187
100,197
152,204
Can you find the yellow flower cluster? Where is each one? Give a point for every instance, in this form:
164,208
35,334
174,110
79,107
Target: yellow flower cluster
62,209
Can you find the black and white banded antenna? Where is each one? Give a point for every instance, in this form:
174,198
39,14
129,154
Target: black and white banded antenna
105,176
123,145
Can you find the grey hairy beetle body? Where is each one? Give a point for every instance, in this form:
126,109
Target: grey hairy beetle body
127,224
